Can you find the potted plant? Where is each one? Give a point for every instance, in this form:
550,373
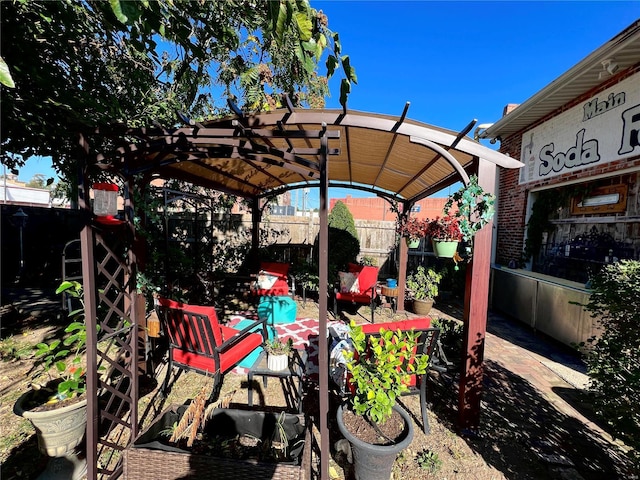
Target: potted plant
278,353
423,287
56,405
375,426
474,209
445,235
413,230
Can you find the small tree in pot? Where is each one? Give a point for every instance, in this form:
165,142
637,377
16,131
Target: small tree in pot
380,370
56,405
423,288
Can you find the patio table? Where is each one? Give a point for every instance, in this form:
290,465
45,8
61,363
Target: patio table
290,378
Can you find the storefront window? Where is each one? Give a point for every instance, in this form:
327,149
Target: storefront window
587,226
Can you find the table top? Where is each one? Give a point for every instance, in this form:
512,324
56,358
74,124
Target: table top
296,365
389,292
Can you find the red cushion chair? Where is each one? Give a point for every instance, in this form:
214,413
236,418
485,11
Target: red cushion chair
365,293
273,269
198,342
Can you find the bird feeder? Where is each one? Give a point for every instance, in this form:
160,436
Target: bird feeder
105,201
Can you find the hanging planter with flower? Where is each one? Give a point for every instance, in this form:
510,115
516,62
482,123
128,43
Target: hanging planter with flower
445,235
413,230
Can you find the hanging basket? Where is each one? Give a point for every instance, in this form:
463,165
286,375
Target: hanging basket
444,249
413,243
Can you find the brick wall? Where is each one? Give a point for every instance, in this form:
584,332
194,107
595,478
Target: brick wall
512,200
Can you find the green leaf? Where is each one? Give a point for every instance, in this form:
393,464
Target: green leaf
125,11
349,71
5,74
321,44
305,27
280,19
345,89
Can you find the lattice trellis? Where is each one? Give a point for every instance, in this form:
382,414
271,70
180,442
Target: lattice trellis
112,354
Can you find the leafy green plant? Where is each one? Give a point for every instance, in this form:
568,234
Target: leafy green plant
381,370
278,347
475,208
613,358
65,357
429,460
423,283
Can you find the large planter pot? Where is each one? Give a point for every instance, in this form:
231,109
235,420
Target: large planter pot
422,307
375,462
150,455
59,432
444,249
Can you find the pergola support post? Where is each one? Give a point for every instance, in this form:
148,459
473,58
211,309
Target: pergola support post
476,305
323,274
256,218
403,253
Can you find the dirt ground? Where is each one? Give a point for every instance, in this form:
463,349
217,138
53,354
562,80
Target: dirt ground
519,435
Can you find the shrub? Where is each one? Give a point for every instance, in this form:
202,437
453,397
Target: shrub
613,359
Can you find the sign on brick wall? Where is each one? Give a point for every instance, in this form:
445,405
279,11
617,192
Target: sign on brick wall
599,130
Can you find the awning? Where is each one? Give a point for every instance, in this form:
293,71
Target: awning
252,156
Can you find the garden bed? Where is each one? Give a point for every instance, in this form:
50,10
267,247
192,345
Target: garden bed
234,444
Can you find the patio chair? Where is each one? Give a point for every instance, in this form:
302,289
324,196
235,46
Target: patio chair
198,342
427,344
273,280
357,287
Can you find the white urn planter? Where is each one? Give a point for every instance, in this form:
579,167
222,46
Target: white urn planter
277,363
59,431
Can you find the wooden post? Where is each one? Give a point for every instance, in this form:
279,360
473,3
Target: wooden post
476,304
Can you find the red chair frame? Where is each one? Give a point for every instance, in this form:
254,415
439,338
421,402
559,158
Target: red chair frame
427,344
198,342
368,280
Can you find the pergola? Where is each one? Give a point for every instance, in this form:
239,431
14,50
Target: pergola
259,155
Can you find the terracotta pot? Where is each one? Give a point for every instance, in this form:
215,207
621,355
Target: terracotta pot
422,307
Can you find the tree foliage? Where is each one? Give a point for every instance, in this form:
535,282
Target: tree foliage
340,217
613,359
343,238
72,66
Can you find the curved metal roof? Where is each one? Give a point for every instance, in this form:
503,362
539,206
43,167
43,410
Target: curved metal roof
262,154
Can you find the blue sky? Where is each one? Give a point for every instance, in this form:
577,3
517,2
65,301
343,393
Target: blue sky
457,61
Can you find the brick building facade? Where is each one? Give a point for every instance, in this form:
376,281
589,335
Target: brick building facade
578,137
575,205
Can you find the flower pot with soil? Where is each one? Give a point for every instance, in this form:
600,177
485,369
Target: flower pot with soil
56,405
445,235
413,230
422,287
278,353
380,370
